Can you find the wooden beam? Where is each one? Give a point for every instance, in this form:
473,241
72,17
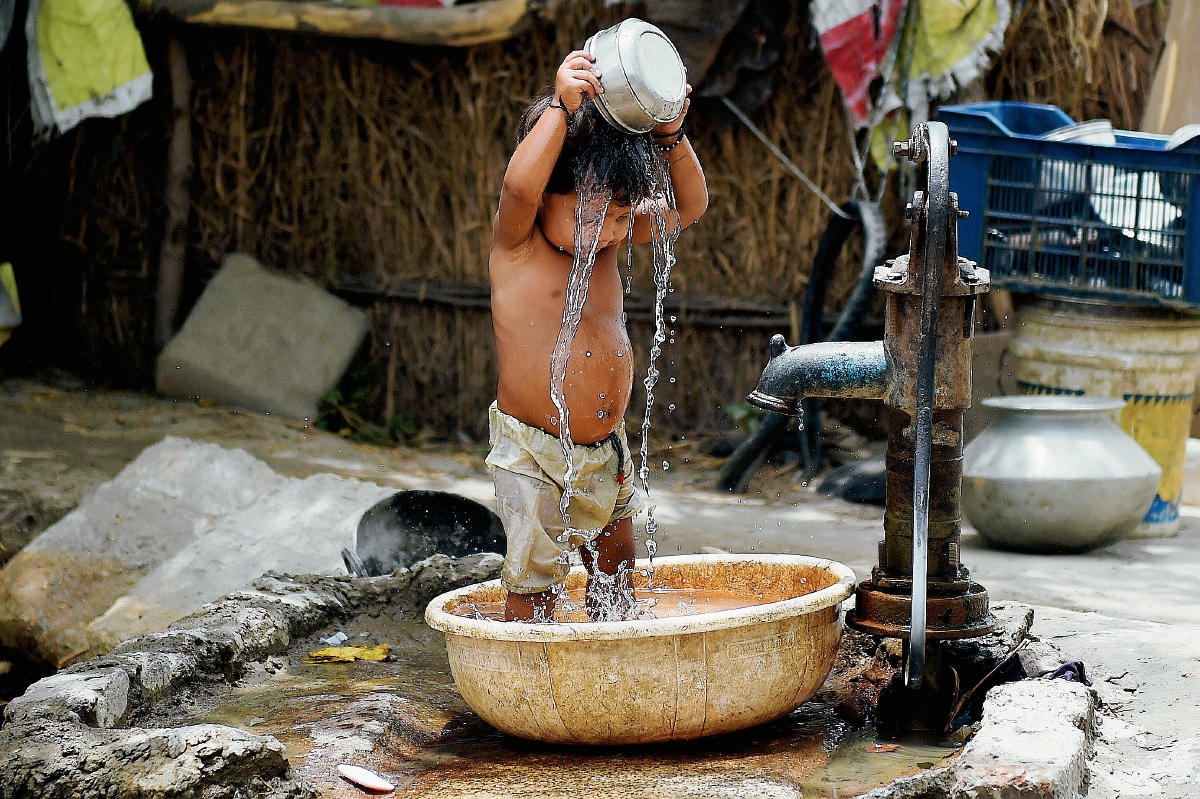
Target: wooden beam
177,196
454,26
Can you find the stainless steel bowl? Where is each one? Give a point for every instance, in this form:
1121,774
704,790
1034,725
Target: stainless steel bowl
643,77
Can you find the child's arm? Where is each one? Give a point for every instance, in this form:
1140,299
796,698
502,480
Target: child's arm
691,192
530,167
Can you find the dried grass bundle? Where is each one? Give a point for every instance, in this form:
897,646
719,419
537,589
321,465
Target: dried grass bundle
386,162
1092,58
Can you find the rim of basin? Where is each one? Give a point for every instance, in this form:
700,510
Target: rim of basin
1057,403
439,618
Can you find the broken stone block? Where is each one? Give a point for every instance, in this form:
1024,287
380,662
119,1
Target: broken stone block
1034,740
297,527
76,569
261,341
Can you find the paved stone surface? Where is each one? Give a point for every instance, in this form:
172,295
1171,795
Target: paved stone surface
261,341
1127,611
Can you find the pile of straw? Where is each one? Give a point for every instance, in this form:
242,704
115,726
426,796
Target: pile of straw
331,158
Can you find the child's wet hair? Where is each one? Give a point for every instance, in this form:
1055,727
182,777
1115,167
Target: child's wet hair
631,165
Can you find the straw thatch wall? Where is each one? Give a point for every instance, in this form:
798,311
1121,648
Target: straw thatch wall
334,159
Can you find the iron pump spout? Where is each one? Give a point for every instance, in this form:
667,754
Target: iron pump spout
919,590
829,369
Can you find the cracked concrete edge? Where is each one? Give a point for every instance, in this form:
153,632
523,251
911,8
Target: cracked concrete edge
1034,740
63,737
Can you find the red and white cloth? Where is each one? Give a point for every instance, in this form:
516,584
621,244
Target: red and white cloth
856,36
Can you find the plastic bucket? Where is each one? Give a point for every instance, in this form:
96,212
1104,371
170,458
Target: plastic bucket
1145,356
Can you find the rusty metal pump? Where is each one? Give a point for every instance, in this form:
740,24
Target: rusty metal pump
919,591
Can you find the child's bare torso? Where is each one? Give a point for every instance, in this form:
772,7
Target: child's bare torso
528,291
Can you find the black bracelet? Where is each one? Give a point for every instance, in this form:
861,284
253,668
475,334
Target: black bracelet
561,107
678,132
671,147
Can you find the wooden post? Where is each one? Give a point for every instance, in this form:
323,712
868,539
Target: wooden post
177,195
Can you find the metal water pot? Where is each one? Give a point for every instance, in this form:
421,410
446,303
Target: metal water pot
643,77
1056,474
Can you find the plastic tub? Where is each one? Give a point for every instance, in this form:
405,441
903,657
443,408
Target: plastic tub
659,679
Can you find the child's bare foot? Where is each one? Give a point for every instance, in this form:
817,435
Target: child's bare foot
530,607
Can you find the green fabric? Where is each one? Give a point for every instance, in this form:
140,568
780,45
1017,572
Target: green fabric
89,48
947,31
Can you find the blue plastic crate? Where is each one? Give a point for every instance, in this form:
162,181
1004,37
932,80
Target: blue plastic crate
1075,220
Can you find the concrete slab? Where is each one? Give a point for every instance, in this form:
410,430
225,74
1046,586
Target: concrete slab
156,506
261,341
1034,740
298,527
66,739
1147,675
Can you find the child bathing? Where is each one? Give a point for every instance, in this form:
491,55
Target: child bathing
561,138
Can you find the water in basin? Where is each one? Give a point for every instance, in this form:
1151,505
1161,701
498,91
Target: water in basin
657,603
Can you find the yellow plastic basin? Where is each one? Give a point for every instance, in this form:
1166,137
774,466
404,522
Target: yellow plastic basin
660,679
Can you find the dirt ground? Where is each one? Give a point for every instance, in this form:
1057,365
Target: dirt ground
1128,610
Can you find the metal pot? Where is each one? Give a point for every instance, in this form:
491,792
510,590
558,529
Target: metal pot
643,77
1056,473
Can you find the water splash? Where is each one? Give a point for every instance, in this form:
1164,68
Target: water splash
629,258
594,200
662,240
589,219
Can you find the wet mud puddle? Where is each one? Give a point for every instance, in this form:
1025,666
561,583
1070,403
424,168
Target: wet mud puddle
405,720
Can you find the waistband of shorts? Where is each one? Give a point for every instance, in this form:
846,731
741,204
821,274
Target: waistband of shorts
612,438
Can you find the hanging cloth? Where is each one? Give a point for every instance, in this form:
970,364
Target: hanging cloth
953,42
10,303
856,36
85,59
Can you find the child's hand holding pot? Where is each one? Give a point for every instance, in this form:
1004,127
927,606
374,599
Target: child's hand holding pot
576,79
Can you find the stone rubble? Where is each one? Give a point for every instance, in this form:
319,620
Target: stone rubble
64,737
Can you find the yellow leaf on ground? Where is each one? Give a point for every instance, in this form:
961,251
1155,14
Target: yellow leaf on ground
347,654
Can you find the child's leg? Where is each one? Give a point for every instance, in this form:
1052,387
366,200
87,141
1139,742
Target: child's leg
526,607
613,547
608,552
529,510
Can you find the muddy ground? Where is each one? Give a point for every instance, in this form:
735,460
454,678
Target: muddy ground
1128,610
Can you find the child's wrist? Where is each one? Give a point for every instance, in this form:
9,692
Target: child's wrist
561,106
669,134
668,146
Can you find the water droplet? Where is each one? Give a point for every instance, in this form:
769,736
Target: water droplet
588,353
599,414
620,354
601,396
672,380
666,465
673,318
671,407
